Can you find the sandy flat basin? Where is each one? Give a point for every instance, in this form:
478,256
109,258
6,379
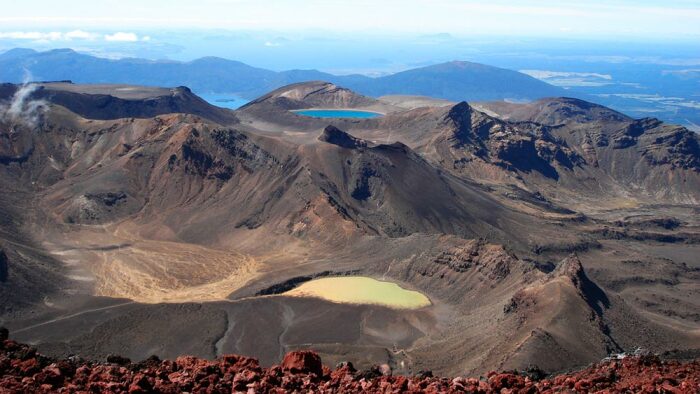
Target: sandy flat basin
338,113
361,290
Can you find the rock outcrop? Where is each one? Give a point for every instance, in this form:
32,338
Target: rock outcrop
473,135
662,161
335,136
22,369
303,362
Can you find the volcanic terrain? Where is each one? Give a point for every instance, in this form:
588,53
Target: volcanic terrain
140,221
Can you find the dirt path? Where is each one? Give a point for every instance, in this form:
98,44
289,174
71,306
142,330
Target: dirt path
73,315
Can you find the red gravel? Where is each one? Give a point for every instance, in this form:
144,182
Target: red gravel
23,370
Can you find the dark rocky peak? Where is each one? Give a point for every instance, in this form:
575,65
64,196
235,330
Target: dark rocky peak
465,118
243,149
183,90
461,118
572,269
672,145
335,136
522,145
460,113
474,128
491,260
629,135
219,154
638,126
660,143
684,146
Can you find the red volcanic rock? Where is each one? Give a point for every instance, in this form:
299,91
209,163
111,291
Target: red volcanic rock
26,367
505,381
141,383
236,362
23,370
303,361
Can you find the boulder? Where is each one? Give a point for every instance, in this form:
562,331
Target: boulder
303,361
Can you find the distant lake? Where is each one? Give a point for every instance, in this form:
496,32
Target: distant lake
224,100
337,113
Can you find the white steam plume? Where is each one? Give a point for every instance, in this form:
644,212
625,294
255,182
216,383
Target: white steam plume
22,110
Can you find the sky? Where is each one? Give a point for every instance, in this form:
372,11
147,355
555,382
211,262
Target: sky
120,20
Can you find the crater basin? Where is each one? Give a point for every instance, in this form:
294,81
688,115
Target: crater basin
361,290
337,113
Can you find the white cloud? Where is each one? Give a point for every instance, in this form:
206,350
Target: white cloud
49,36
272,44
32,35
80,35
122,36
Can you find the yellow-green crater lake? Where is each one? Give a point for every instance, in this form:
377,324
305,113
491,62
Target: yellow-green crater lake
361,290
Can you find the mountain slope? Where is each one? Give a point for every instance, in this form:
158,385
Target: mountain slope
565,149
646,156
120,229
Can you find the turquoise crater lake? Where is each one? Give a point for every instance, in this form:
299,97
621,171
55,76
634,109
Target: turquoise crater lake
337,113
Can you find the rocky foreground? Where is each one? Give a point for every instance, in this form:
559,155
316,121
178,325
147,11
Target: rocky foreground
22,369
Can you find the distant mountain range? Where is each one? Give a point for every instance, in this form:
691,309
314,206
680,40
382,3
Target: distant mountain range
453,81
